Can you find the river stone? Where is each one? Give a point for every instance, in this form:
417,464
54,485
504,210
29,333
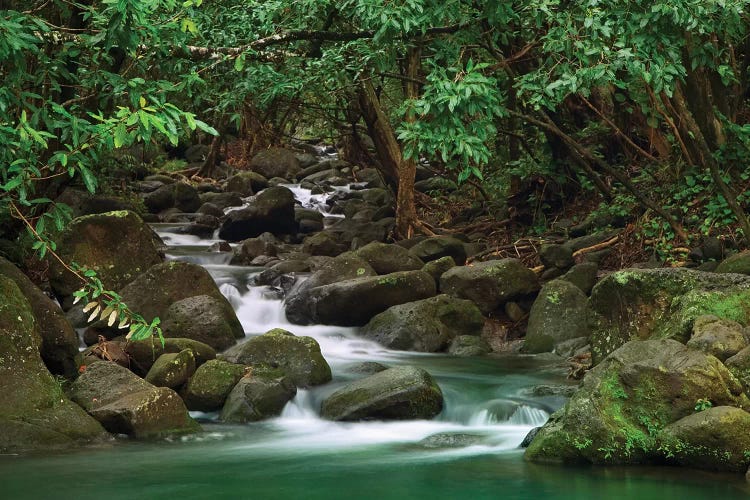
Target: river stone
529,438
386,259
179,195
82,202
556,256
490,284
59,346
717,438
323,243
258,396
208,388
272,210
343,267
720,337
661,303
117,245
251,248
247,183
738,263
436,268
560,312
447,440
440,246
435,184
427,325
628,398
358,233
223,200
35,414
172,369
126,404
468,346
354,302
583,276
162,292
400,393
298,357
275,162
143,353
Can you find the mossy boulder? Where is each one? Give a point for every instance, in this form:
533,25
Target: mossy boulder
247,183
34,414
717,439
323,243
722,338
144,353
490,284
739,365
124,403
298,357
172,369
556,256
400,393
119,246
162,292
560,312
271,210
179,195
662,303
223,200
468,345
386,259
59,341
583,275
257,396
208,388
738,263
440,246
276,162
354,302
627,399
427,325
436,268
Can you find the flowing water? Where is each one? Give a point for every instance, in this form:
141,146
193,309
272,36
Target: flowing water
489,408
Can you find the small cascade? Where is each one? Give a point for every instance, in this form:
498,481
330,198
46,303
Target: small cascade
528,415
302,407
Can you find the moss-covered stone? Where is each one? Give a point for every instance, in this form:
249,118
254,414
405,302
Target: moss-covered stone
399,393
386,259
626,400
143,353
437,267
468,345
258,396
247,183
203,318
719,337
739,365
427,325
34,414
662,303
172,369
210,385
738,263
119,246
440,246
560,312
298,357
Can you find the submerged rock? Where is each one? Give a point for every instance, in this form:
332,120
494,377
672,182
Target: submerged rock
451,440
399,393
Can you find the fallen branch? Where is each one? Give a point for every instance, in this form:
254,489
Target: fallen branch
598,246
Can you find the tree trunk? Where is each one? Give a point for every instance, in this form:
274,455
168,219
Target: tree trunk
406,211
381,132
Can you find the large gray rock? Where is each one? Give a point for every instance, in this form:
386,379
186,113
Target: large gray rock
126,404
34,414
172,369
627,399
440,246
298,357
207,319
738,263
490,284
208,388
427,325
179,195
395,394
258,396
247,183
719,337
59,346
144,353
661,303
386,259
119,246
354,302
272,211
560,312
276,162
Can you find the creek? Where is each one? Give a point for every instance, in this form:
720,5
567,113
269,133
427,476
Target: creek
489,409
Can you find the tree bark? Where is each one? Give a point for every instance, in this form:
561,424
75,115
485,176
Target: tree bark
406,211
381,132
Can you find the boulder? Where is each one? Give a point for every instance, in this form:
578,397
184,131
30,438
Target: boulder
435,184
276,162
126,404
144,353
583,275
490,284
436,268
35,414
323,243
719,337
186,299
627,399
265,244
427,325
223,200
179,195
298,357
661,303
739,365
556,256
119,246
738,263
354,302
469,345
172,369
717,438
348,231
257,396
247,183
272,210
399,393
560,312
59,341
386,259
84,203
440,246
208,388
